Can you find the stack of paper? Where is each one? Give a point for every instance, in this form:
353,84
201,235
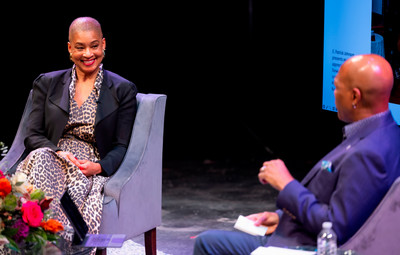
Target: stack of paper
271,250
246,225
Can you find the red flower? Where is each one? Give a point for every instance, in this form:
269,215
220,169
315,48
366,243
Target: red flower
31,213
45,204
5,187
52,225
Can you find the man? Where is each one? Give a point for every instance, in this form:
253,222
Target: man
346,185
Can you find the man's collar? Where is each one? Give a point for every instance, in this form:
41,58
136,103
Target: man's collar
354,128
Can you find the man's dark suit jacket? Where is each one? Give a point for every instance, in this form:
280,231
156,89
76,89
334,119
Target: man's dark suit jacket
344,187
115,115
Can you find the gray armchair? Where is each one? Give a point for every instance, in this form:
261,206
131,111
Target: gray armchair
132,196
132,203
379,234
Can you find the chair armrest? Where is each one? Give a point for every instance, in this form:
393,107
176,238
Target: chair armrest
144,150
378,235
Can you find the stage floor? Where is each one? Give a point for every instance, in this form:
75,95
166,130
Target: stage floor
202,195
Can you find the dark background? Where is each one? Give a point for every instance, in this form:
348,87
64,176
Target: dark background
240,76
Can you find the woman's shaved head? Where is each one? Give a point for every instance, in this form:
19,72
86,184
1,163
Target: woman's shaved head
84,24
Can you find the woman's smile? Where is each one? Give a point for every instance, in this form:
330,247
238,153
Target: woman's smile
89,62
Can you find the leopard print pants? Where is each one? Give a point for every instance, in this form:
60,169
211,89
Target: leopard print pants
53,174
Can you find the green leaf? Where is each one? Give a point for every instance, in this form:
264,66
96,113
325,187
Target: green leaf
37,194
52,237
35,242
19,183
9,232
12,245
10,202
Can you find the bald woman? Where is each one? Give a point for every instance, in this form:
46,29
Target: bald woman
79,127
345,186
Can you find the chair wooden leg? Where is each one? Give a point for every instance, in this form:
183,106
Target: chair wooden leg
150,242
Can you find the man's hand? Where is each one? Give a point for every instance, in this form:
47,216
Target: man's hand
275,173
269,219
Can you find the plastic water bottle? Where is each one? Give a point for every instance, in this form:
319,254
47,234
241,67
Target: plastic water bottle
327,240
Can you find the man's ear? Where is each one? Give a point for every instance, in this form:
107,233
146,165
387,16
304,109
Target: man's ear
356,93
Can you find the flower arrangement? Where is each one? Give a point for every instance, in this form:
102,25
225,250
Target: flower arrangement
25,221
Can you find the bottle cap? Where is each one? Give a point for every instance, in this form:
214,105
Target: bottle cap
327,224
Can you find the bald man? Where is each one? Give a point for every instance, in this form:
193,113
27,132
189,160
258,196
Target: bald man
345,186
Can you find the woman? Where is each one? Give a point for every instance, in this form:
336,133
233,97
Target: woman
80,126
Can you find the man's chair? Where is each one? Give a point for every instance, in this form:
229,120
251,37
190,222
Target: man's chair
132,196
379,234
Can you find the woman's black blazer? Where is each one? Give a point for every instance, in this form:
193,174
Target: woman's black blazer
115,115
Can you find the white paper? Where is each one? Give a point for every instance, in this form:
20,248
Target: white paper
271,250
246,225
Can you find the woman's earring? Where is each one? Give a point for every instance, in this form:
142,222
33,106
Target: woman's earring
104,53
354,106
70,56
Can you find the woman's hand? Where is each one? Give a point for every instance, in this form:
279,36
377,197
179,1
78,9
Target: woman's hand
269,219
69,156
87,167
